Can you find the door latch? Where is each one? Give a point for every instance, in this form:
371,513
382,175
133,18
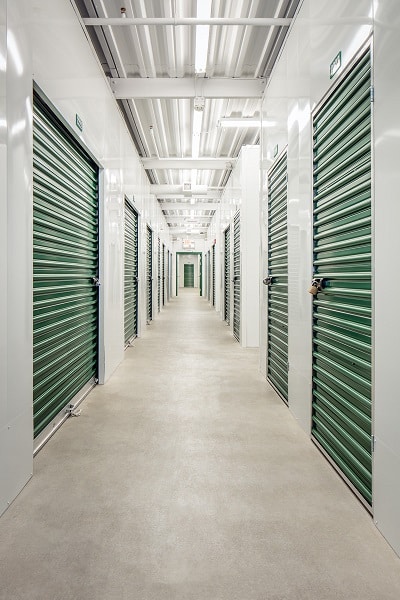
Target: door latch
317,285
96,281
267,280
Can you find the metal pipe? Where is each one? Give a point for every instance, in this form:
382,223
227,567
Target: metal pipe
192,21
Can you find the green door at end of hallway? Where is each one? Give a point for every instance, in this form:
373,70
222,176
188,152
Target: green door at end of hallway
188,275
65,267
342,332
277,322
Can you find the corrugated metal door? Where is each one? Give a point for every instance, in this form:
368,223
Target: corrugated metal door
65,267
236,276
158,275
149,273
213,274
227,275
277,346
200,263
168,274
131,273
208,276
342,257
188,275
163,274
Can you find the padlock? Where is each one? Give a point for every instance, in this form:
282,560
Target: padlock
317,285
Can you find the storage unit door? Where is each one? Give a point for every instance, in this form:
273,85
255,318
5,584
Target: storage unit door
163,274
227,275
188,276
208,276
277,322
236,276
149,273
342,257
65,267
213,275
158,275
200,265
131,273
168,274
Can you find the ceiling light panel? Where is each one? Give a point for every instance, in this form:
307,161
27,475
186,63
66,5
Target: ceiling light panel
202,35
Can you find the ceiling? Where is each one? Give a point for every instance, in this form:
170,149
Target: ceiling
172,98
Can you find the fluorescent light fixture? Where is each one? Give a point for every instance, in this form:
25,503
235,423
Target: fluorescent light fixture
153,137
197,123
202,35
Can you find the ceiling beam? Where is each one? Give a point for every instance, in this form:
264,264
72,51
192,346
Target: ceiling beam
196,220
175,191
208,164
192,21
186,87
199,205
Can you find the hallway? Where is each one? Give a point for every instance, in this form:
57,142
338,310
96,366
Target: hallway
186,478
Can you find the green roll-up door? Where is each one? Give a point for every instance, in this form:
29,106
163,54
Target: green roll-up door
277,346
65,267
236,276
149,273
168,273
342,257
158,275
213,274
227,275
201,275
131,273
208,276
163,274
188,275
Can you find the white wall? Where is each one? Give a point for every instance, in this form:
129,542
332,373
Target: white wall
16,329
386,473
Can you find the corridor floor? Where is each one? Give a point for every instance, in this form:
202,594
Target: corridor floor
187,478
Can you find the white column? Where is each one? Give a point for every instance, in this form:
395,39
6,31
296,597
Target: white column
16,445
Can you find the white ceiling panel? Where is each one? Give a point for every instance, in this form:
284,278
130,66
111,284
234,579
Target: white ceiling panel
144,63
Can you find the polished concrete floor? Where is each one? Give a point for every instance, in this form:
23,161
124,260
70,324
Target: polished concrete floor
186,478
